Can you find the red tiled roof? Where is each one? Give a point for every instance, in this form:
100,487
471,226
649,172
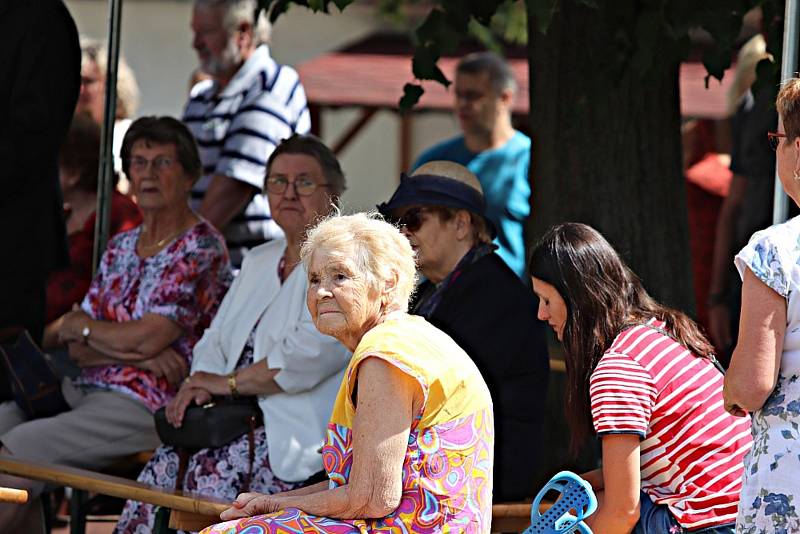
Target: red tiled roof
340,79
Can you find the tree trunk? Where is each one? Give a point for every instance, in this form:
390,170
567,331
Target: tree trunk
606,140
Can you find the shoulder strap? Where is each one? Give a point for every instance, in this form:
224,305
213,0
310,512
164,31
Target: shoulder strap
663,332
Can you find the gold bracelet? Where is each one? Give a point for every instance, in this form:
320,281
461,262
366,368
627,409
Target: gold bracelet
232,384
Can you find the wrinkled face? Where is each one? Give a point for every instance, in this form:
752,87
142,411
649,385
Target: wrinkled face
341,301
788,162
216,48
158,179
477,105
91,99
294,212
431,238
552,307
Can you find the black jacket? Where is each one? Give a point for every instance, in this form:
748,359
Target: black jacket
492,316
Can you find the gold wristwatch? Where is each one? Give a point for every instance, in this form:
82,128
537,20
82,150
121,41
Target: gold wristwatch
232,384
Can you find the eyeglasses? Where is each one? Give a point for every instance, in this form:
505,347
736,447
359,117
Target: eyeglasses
140,164
412,219
303,185
774,139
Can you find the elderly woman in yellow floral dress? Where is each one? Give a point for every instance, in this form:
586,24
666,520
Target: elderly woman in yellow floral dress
409,444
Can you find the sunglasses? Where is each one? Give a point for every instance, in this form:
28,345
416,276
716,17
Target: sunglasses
774,139
412,219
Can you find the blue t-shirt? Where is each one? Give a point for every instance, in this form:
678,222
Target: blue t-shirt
503,174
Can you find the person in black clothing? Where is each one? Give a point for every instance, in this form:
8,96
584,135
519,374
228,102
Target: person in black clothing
40,65
473,296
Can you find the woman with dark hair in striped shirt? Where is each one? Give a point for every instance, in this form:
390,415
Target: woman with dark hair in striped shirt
643,378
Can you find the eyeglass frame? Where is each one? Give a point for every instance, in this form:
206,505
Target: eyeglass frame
774,139
159,163
272,180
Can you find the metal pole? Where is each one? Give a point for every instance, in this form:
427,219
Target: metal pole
105,182
780,211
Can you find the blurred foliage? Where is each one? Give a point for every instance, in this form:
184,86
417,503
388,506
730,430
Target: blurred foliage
640,38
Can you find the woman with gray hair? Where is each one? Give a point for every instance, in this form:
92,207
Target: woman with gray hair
262,344
410,441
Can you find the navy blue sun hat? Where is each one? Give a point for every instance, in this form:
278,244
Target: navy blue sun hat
436,190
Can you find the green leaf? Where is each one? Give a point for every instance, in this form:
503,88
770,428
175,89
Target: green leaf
341,4
716,60
424,67
541,12
318,5
411,95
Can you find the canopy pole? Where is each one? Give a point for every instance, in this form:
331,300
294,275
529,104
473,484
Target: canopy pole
105,181
780,211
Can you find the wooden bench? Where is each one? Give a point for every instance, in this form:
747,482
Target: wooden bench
188,511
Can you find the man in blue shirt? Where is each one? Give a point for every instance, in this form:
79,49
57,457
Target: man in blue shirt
492,149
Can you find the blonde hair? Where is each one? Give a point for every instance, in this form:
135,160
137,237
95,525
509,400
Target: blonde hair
749,56
127,88
788,105
378,249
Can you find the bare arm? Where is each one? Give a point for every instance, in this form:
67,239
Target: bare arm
719,314
618,511
224,199
146,337
386,403
756,361
595,478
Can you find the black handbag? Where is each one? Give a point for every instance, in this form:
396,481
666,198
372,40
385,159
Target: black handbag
212,425
34,383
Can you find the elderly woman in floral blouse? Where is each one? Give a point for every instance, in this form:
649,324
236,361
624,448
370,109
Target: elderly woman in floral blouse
155,292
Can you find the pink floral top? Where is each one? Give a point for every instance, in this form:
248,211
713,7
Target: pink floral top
184,282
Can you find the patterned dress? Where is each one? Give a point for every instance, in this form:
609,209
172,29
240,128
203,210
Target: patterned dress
184,282
447,469
216,473
770,500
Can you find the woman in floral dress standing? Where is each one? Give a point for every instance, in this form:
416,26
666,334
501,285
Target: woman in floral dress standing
764,375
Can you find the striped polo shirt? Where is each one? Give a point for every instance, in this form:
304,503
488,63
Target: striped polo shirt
237,129
692,449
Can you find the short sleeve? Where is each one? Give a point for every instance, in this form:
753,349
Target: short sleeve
769,259
259,125
623,395
194,284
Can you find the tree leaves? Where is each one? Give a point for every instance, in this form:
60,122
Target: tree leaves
411,95
542,13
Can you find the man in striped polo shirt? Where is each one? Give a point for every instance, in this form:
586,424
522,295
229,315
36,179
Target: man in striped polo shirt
238,117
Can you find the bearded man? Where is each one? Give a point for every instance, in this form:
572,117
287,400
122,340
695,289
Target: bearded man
238,116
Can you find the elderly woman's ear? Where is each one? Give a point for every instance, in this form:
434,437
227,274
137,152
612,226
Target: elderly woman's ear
389,287
463,225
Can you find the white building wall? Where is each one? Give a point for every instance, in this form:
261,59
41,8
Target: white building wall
156,42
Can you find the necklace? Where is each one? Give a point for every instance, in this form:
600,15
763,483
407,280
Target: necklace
162,242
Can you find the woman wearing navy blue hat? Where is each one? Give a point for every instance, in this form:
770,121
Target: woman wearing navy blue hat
472,295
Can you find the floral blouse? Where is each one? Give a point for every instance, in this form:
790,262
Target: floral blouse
184,282
770,500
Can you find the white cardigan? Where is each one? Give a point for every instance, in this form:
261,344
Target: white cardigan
311,364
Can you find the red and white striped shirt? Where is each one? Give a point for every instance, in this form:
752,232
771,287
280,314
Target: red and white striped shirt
692,449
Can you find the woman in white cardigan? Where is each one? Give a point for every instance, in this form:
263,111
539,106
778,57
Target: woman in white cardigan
263,343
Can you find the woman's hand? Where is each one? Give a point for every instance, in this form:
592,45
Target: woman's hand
168,364
72,324
730,406
176,408
213,383
250,504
